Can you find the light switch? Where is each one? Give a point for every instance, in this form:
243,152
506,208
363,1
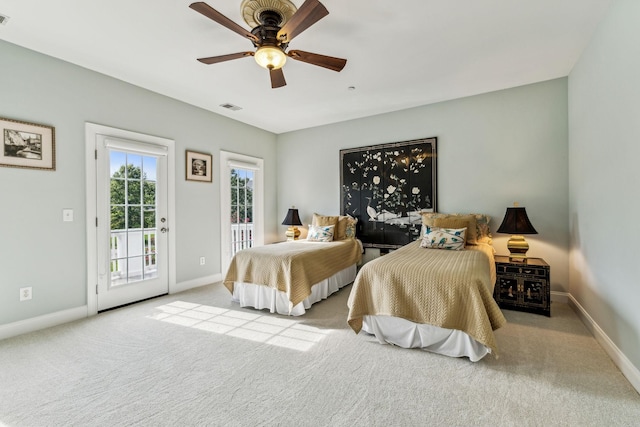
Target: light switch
67,215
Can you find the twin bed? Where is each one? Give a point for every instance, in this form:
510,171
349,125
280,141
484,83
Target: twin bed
435,299
287,278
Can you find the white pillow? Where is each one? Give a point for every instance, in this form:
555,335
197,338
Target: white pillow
320,233
443,238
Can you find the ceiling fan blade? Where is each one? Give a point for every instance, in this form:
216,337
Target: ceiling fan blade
277,78
330,62
308,14
222,58
216,16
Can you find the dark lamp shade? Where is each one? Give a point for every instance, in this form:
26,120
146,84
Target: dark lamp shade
516,221
292,218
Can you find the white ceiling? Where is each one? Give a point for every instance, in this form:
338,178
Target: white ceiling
400,54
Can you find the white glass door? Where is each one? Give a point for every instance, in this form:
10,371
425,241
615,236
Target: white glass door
241,194
132,222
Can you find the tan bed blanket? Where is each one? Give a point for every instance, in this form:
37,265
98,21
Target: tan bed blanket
449,289
292,267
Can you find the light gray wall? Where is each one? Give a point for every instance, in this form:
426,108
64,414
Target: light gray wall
604,148
36,248
493,149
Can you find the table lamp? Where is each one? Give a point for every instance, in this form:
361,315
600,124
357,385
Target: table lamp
292,220
516,222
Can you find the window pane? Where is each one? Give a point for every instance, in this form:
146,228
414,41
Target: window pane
118,244
234,200
118,272
150,242
133,191
234,214
249,180
134,166
133,217
149,217
117,191
150,268
117,161
243,214
117,218
149,192
149,166
135,269
242,174
135,243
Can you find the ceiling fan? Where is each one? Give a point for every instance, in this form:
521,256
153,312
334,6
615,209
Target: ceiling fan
274,24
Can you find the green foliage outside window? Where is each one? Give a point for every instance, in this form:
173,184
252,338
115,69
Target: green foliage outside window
133,199
241,196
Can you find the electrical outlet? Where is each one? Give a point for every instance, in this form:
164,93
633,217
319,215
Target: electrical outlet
202,260
26,293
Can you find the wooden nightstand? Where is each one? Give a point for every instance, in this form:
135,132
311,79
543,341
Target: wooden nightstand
523,286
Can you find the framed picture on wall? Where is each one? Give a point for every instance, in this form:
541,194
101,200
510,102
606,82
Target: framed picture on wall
386,187
199,166
27,145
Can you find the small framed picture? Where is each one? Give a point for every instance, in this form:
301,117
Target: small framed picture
27,145
199,166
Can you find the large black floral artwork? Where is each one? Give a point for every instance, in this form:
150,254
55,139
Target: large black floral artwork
386,186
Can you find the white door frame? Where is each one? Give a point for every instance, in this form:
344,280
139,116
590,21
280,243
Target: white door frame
92,131
227,161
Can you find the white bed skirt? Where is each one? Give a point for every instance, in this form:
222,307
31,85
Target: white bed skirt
261,297
407,334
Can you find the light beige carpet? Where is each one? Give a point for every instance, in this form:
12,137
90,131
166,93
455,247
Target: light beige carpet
196,359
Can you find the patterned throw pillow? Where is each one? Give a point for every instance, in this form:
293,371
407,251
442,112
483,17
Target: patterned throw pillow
454,222
320,233
443,238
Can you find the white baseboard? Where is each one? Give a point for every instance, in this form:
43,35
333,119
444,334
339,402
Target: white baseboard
195,283
619,359
562,297
42,322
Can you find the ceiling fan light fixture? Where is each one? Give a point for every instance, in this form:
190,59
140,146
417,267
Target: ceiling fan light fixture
272,34
270,57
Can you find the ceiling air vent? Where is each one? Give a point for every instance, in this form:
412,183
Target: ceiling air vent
231,107
3,19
